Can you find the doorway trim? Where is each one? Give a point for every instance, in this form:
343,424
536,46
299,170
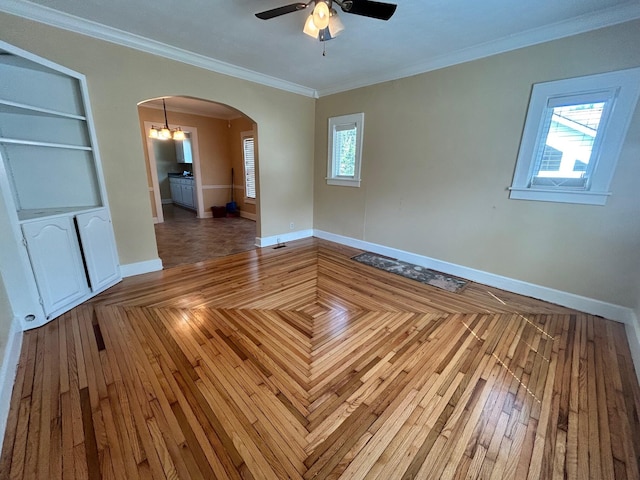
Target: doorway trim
153,170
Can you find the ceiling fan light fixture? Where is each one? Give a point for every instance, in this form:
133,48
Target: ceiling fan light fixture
325,35
310,27
321,15
154,132
335,24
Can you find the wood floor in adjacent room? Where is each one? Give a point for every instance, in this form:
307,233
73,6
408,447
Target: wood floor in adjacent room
301,363
183,239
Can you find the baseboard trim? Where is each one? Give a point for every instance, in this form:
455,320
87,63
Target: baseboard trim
584,304
8,371
139,268
283,238
247,215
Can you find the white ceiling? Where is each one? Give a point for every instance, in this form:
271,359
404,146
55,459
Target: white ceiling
423,35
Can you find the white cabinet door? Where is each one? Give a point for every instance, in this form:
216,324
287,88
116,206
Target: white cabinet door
176,190
183,150
56,261
187,195
179,152
99,248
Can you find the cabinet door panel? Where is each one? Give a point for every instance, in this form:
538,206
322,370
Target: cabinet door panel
99,247
55,257
187,195
176,190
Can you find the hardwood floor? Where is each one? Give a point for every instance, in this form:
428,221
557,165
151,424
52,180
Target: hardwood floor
184,239
301,363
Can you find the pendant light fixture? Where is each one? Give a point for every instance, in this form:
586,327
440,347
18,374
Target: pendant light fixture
165,133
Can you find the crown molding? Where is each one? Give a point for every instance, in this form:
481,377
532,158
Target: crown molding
567,28
65,21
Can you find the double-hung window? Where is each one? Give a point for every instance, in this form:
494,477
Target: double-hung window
345,150
249,162
572,137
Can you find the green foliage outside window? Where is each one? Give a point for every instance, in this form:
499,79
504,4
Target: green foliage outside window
346,150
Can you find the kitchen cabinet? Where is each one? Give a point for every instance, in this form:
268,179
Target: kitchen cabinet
176,190
187,195
183,149
53,188
183,191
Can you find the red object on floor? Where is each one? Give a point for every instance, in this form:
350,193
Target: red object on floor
219,212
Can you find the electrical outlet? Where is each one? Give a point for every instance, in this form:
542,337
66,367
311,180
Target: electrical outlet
291,226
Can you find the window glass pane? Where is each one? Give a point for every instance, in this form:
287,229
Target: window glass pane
345,151
551,159
249,168
344,155
566,150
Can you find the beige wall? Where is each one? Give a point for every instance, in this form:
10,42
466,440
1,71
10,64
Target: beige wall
439,153
119,78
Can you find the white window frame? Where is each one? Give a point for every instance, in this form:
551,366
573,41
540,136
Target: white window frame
621,89
333,178
243,137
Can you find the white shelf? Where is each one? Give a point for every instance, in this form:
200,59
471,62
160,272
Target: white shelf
37,213
33,143
22,108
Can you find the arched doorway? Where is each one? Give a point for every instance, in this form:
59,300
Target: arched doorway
187,178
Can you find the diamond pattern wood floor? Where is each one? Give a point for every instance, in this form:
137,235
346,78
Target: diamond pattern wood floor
300,363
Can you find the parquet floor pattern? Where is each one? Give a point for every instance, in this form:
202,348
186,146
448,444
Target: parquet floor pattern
300,363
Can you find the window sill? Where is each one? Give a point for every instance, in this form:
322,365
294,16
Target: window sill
251,201
542,195
343,182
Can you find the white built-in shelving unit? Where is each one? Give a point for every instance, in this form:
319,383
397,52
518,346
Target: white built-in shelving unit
52,185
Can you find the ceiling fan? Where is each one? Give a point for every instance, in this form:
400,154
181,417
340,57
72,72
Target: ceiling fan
323,23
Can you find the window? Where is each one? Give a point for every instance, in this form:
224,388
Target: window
572,137
345,150
248,154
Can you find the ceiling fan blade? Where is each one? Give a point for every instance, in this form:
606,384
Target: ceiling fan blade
369,8
276,12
